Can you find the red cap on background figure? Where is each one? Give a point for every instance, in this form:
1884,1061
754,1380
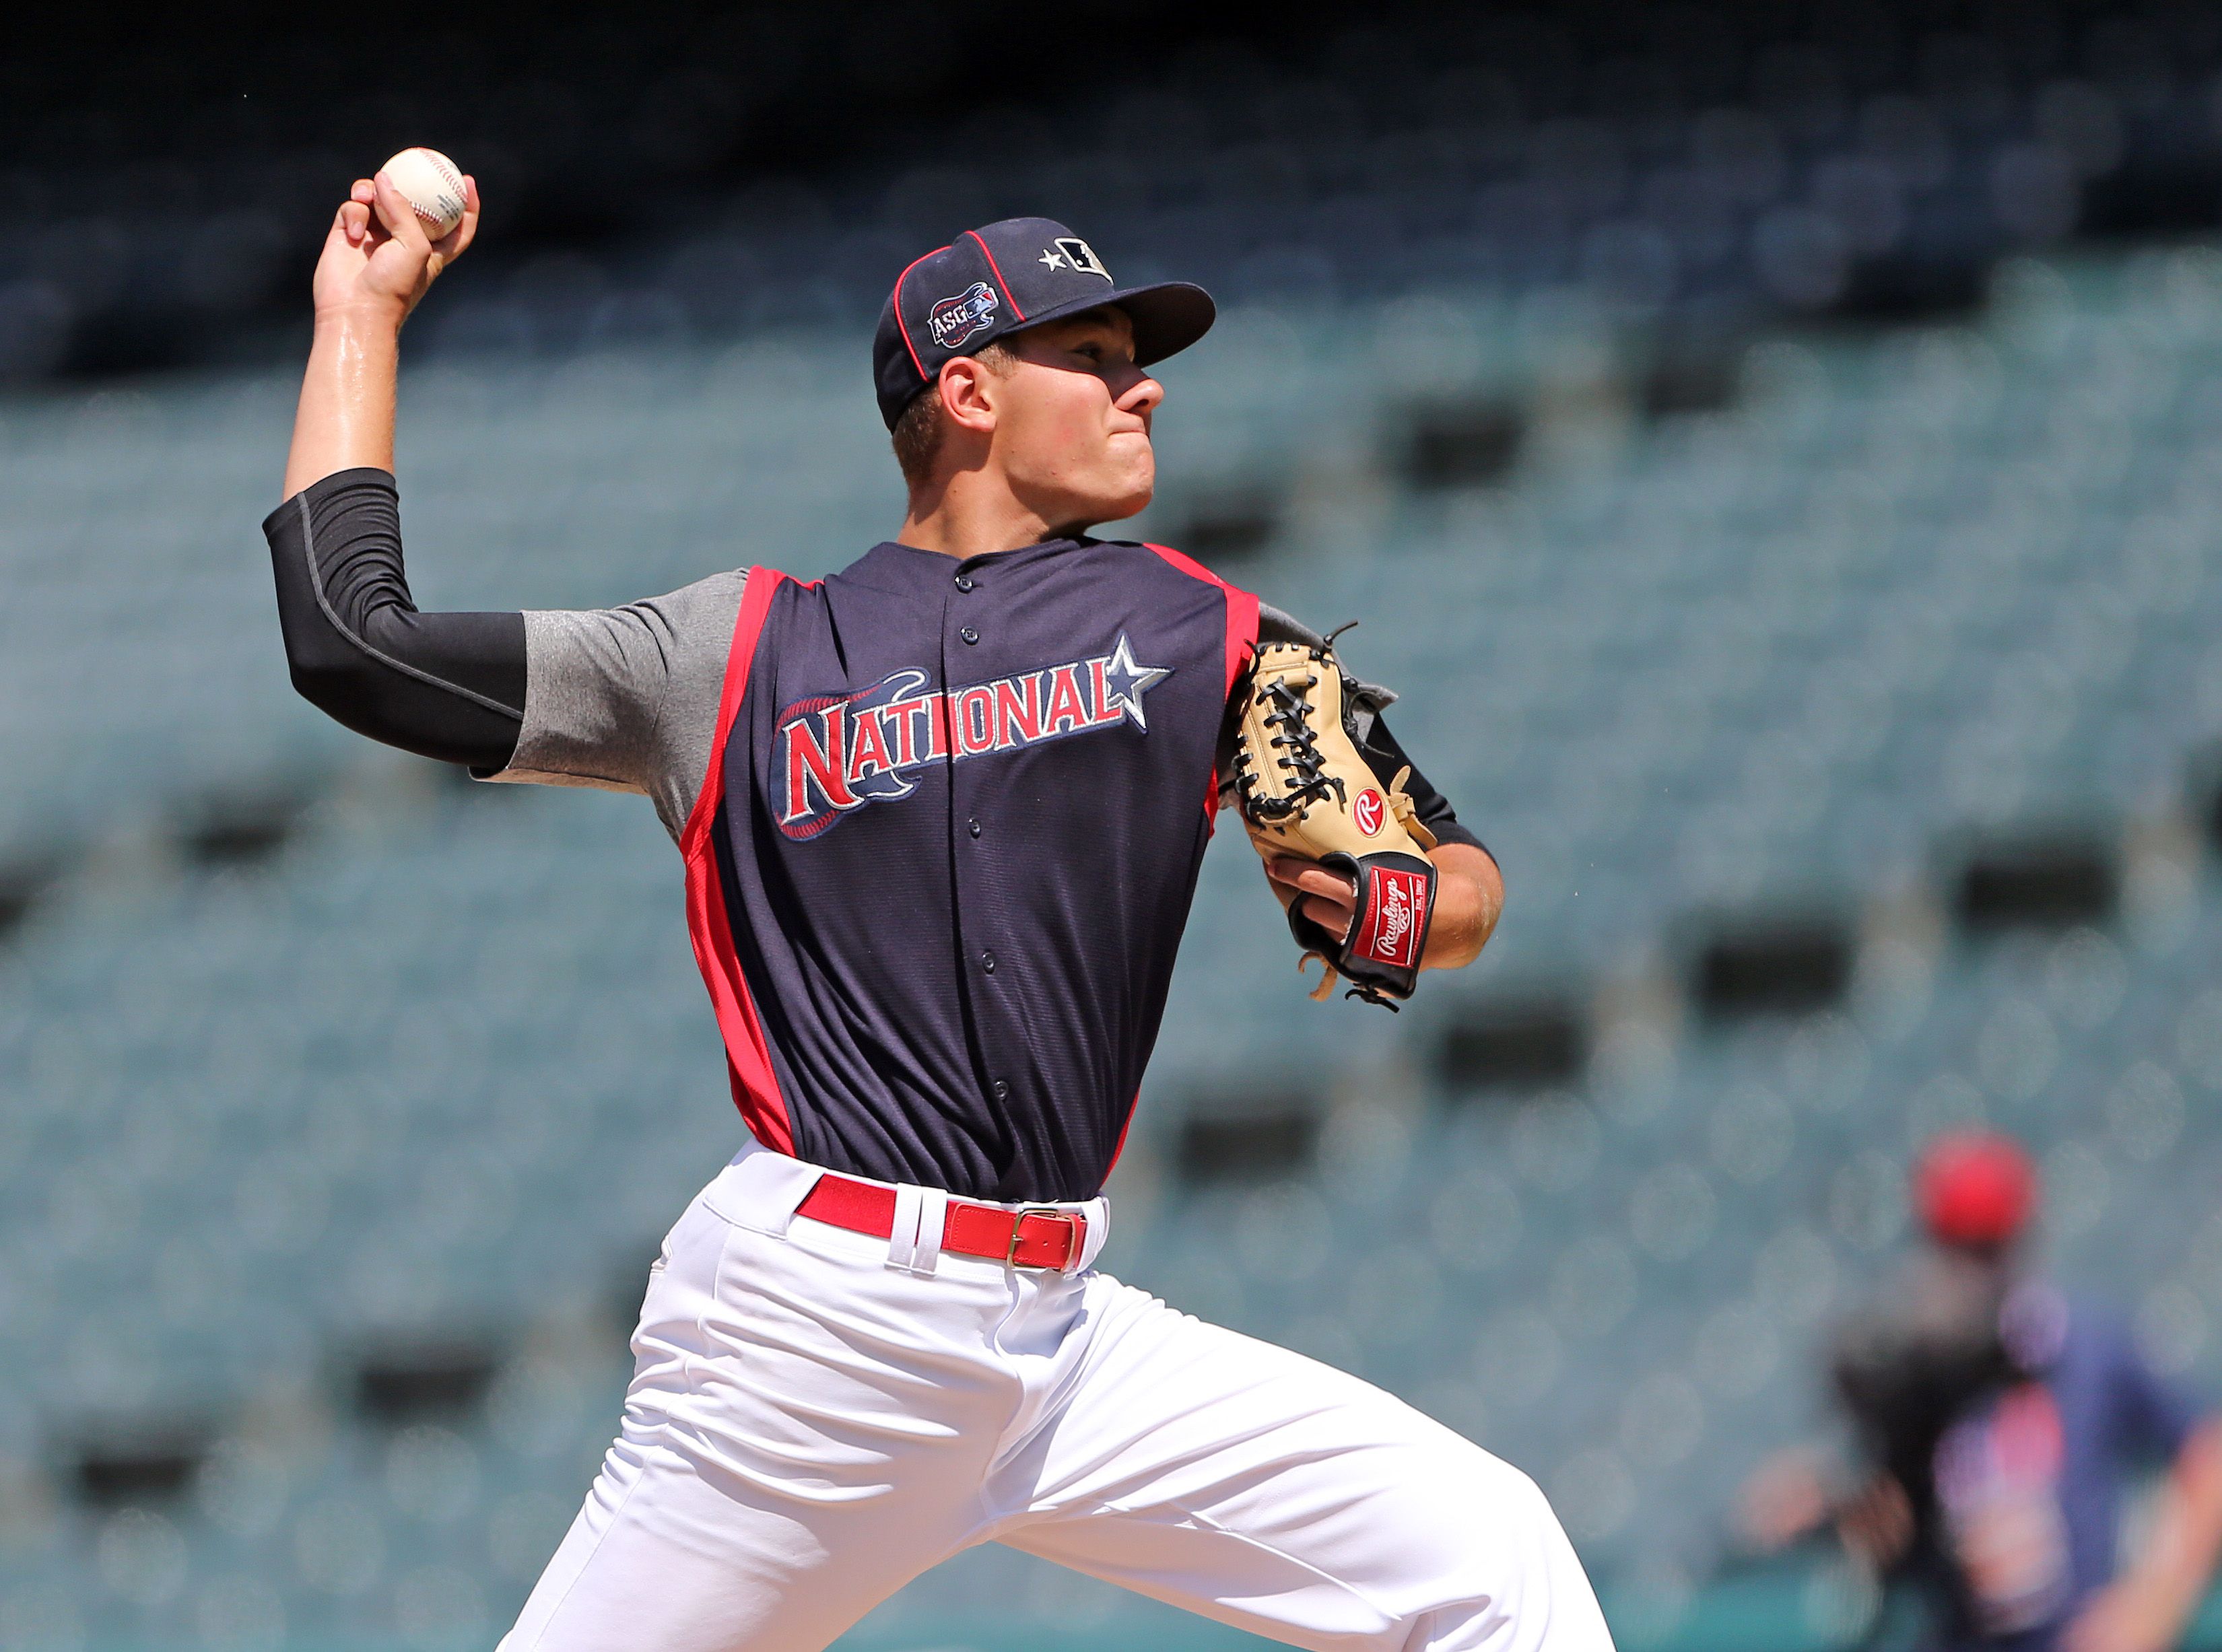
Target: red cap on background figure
1974,1188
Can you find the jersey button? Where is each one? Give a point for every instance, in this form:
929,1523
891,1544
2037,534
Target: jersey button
988,962
970,635
973,827
964,582
1002,1091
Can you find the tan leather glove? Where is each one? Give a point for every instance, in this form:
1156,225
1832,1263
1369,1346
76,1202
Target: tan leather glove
1304,789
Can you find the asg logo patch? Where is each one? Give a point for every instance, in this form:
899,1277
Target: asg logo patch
965,316
1071,253
835,754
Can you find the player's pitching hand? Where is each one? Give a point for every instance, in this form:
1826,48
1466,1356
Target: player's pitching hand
2125,1617
377,262
1330,898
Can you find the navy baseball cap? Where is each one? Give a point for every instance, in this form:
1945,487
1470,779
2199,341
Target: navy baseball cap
1002,277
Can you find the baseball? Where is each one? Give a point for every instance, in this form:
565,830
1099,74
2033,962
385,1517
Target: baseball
433,185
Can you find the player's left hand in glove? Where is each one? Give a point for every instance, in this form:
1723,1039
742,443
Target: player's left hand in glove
1304,791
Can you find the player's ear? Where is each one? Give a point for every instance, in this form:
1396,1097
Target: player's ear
967,394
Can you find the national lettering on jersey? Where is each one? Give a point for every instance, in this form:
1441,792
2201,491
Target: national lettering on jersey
834,753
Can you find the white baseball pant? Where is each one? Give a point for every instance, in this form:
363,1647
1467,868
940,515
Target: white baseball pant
817,1416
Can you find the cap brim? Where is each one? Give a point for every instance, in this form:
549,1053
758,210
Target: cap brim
1168,317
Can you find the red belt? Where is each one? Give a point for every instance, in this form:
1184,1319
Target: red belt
1037,1236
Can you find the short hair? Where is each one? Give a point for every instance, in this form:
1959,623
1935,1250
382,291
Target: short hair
918,432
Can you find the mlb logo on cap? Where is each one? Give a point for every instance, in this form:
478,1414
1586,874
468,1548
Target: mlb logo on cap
1001,278
1076,254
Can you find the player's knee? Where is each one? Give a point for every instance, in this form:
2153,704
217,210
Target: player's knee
1505,1575
1514,1502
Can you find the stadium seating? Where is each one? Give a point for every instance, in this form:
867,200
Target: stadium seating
1713,162
329,1171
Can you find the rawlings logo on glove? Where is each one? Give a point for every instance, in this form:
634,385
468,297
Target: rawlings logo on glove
1304,790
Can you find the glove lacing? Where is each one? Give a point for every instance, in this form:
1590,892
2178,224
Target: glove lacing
1300,757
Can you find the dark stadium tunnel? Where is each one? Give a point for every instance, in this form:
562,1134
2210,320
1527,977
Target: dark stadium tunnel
1773,963
136,1464
240,829
1536,1041
1266,1139
411,1380
1228,527
2054,878
1463,444
22,883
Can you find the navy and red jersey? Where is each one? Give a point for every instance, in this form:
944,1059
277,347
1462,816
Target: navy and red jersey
941,821
938,872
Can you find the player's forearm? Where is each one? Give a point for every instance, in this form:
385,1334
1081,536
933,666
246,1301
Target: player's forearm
345,419
450,686
1469,898
2179,1559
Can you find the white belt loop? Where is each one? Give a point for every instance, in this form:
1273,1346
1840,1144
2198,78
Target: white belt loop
932,1215
902,1240
1097,1211
760,1189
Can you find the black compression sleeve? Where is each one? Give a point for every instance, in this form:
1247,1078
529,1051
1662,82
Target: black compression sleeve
1385,757
450,686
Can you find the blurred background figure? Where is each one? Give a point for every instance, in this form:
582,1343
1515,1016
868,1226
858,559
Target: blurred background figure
1998,1421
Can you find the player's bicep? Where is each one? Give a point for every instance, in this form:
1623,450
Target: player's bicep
594,684
626,698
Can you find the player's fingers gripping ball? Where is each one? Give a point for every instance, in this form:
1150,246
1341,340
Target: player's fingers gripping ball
431,184
1304,791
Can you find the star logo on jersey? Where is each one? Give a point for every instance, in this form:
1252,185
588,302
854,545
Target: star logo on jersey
1125,682
832,753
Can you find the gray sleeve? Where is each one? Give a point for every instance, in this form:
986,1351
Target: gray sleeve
626,698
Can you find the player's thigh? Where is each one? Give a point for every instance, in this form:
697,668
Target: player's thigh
1264,1489
797,1443
663,1555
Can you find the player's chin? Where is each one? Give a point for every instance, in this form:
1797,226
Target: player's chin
1116,497
1118,505
1127,486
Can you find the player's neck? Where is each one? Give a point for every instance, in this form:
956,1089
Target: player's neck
975,513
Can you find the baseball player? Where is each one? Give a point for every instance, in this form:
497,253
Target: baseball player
2000,1419
941,816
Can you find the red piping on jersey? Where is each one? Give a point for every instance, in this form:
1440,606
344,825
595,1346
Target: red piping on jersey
999,282
899,326
748,1058
1241,610
1123,1129
1241,642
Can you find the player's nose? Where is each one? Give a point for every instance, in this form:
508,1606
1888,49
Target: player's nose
1142,395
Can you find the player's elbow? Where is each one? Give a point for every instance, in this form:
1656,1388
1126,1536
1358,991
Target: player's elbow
334,686
345,688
